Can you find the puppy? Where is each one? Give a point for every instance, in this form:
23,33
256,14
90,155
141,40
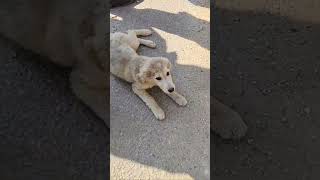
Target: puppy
72,34
143,72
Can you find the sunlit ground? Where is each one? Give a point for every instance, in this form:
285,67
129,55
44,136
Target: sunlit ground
120,167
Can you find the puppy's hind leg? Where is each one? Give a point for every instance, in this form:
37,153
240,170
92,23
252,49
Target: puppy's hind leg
147,43
142,32
150,102
135,41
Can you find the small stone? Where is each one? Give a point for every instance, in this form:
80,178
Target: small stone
308,27
20,92
266,91
266,114
307,110
291,149
219,77
257,59
293,30
292,69
284,120
269,153
251,40
250,141
236,20
200,28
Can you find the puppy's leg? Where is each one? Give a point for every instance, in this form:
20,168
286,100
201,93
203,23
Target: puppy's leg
91,94
147,43
142,32
133,40
178,98
150,102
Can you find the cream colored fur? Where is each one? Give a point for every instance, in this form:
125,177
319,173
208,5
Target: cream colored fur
142,71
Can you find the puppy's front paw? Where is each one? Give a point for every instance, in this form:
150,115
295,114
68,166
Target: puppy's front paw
159,113
181,101
147,32
152,44
226,122
232,129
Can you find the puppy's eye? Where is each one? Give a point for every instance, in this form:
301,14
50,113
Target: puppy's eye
168,73
158,78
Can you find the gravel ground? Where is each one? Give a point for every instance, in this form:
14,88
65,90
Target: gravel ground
267,68
45,132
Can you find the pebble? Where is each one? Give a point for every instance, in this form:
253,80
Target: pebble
285,170
307,110
250,141
284,120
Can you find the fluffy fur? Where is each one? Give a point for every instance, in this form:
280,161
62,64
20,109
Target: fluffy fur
71,33
143,72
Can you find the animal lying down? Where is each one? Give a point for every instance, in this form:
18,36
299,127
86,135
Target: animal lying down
75,34
142,71
71,33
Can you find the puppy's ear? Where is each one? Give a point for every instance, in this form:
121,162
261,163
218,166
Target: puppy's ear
169,65
165,61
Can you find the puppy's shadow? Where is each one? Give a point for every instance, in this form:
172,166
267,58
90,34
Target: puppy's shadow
182,24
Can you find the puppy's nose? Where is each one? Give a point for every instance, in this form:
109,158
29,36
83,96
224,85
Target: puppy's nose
171,90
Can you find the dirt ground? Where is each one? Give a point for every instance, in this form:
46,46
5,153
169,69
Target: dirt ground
266,67
45,131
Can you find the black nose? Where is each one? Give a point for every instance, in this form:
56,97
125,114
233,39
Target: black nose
171,90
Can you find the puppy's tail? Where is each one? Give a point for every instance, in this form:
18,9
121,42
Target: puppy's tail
141,32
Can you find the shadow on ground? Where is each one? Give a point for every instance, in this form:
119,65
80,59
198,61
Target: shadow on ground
181,24
201,3
267,68
45,131
176,156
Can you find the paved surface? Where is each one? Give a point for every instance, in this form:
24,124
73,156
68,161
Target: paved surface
45,132
267,68
177,148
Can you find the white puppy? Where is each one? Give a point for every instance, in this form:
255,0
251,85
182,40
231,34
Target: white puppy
143,72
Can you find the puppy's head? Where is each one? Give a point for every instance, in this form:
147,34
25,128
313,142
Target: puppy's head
158,72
